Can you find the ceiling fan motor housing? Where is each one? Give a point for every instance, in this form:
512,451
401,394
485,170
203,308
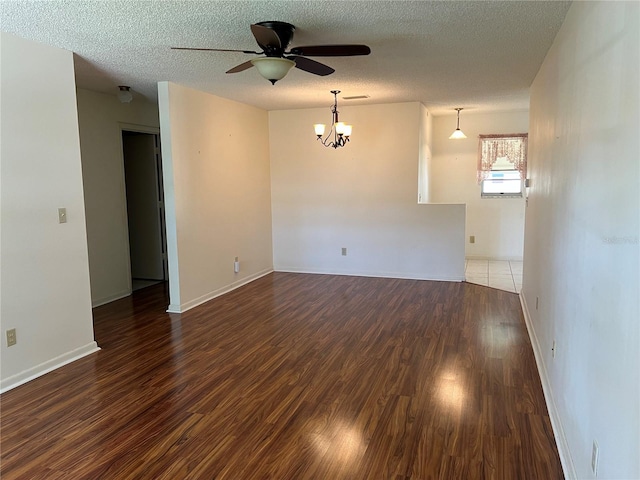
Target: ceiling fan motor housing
284,31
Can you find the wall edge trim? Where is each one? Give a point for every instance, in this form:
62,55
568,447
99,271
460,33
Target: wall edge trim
48,366
490,258
556,424
173,308
403,276
218,292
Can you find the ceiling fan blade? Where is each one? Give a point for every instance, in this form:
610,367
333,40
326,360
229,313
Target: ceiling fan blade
267,38
331,50
215,50
241,68
312,66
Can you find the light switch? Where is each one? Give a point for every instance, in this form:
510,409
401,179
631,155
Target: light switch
62,215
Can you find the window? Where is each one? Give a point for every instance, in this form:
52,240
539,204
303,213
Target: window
502,183
502,164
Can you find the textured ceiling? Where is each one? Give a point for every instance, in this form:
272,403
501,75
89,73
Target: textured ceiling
482,56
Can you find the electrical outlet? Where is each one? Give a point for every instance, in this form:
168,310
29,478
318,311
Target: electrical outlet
594,458
553,349
472,239
11,337
344,252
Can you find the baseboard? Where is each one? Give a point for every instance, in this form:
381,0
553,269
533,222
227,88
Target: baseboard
172,308
111,298
404,276
216,293
48,366
554,415
503,259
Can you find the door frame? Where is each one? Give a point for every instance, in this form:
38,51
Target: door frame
131,127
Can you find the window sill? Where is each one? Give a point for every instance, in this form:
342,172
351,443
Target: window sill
502,195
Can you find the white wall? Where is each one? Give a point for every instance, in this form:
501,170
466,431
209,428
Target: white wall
101,117
425,155
217,193
581,258
497,223
362,197
45,271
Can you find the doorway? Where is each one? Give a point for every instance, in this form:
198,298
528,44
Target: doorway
145,208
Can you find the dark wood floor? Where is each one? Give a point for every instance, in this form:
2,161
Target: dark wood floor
293,377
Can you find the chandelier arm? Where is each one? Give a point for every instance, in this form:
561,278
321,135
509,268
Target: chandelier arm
326,143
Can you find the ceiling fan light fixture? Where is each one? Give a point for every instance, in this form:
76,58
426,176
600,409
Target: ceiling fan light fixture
457,133
273,68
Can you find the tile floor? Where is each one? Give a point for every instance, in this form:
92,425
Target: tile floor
501,274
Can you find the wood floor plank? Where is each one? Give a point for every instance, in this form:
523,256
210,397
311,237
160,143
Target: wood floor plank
293,376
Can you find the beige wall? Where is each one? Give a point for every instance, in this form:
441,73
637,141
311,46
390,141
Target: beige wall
362,197
496,223
45,270
581,258
101,118
217,192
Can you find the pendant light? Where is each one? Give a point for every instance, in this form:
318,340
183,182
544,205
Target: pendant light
124,94
457,133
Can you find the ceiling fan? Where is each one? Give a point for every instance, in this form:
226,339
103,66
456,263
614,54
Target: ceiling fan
274,38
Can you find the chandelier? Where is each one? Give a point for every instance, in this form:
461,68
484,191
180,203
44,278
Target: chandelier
341,131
